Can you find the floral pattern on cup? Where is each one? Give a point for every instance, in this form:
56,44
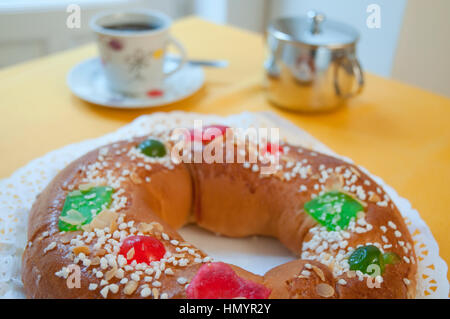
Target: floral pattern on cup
115,44
155,93
136,63
157,54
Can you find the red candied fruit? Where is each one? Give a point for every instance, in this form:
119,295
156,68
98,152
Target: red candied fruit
146,249
218,281
209,133
273,149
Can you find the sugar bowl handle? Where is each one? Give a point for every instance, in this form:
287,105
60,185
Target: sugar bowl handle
357,71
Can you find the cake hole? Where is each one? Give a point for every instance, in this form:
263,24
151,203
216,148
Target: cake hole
257,254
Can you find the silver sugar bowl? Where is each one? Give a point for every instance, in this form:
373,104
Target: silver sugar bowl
311,64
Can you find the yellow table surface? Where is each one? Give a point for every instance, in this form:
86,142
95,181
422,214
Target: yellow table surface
398,132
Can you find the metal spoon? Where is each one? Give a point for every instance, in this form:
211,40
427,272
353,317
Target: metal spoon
206,63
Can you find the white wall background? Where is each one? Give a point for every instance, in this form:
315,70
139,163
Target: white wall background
20,39
33,28
423,52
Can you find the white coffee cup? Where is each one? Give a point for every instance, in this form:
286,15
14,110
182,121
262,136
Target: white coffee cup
132,46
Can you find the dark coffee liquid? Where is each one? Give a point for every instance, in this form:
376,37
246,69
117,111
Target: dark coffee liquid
132,27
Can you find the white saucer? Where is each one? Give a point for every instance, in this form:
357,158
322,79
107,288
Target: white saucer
87,81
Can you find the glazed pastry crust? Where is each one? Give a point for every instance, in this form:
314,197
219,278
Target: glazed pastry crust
231,199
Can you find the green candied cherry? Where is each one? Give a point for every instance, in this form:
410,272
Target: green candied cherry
152,148
368,255
365,256
391,258
333,209
81,206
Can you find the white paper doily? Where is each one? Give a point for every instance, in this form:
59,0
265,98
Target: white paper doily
17,193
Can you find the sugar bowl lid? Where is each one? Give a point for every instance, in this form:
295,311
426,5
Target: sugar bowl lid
314,30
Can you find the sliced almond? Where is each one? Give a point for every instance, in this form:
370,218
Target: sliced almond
66,238
319,272
73,217
288,158
354,170
95,261
130,287
324,290
341,180
113,226
102,220
74,193
86,187
130,254
374,198
353,196
110,273
334,182
157,226
81,249
135,178
279,174
155,292
99,252
145,228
